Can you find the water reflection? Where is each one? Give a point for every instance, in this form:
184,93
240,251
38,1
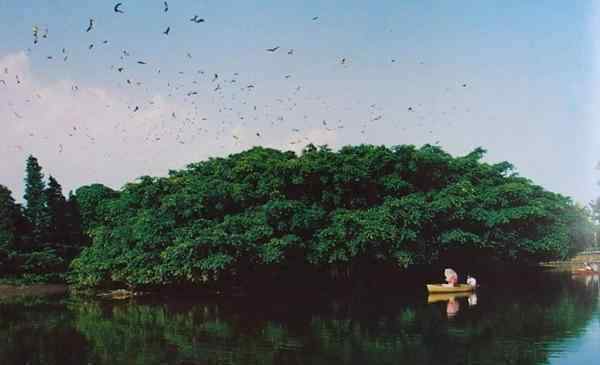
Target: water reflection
512,326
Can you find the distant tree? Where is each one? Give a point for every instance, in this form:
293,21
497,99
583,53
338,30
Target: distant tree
11,227
36,209
9,214
57,209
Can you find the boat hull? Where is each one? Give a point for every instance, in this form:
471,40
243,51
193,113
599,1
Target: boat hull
444,297
439,288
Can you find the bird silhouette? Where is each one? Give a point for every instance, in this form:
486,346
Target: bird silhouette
35,34
196,19
315,18
90,25
166,32
274,49
116,8
166,6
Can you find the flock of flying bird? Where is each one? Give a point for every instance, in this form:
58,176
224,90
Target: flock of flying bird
193,121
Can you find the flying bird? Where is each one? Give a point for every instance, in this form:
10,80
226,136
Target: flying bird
90,26
141,62
166,6
196,19
35,34
315,18
91,46
166,32
274,49
116,8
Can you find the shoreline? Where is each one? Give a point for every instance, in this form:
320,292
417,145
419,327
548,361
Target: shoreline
10,291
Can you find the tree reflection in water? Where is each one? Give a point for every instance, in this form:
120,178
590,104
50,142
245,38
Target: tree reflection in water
512,326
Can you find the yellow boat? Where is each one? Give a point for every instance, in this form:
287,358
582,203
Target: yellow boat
440,288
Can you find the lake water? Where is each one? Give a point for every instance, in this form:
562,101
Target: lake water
550,319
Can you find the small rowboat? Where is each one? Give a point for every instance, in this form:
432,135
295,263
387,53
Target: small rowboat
440,288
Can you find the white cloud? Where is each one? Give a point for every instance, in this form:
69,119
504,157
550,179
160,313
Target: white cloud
83,134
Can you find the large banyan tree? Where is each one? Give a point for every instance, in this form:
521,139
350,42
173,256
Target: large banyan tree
264,210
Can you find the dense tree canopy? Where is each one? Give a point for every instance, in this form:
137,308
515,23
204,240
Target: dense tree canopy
265,210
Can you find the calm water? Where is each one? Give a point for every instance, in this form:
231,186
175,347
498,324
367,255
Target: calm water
553,319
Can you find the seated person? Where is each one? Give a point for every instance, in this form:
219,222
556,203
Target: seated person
451,278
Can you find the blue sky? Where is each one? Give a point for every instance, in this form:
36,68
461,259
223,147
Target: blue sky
530,71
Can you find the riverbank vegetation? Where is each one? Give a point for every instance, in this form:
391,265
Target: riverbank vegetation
263,213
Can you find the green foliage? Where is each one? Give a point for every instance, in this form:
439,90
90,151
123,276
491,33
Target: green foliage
267,210
88,200
12,229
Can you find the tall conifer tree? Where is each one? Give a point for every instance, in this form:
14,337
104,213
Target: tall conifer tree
57,205
36,210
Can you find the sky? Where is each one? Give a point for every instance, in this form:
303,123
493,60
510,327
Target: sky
124,100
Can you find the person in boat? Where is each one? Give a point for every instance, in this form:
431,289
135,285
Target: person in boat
451,278
471,281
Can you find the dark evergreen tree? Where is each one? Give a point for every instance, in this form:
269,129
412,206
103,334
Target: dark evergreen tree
11,229
57,206
36,210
